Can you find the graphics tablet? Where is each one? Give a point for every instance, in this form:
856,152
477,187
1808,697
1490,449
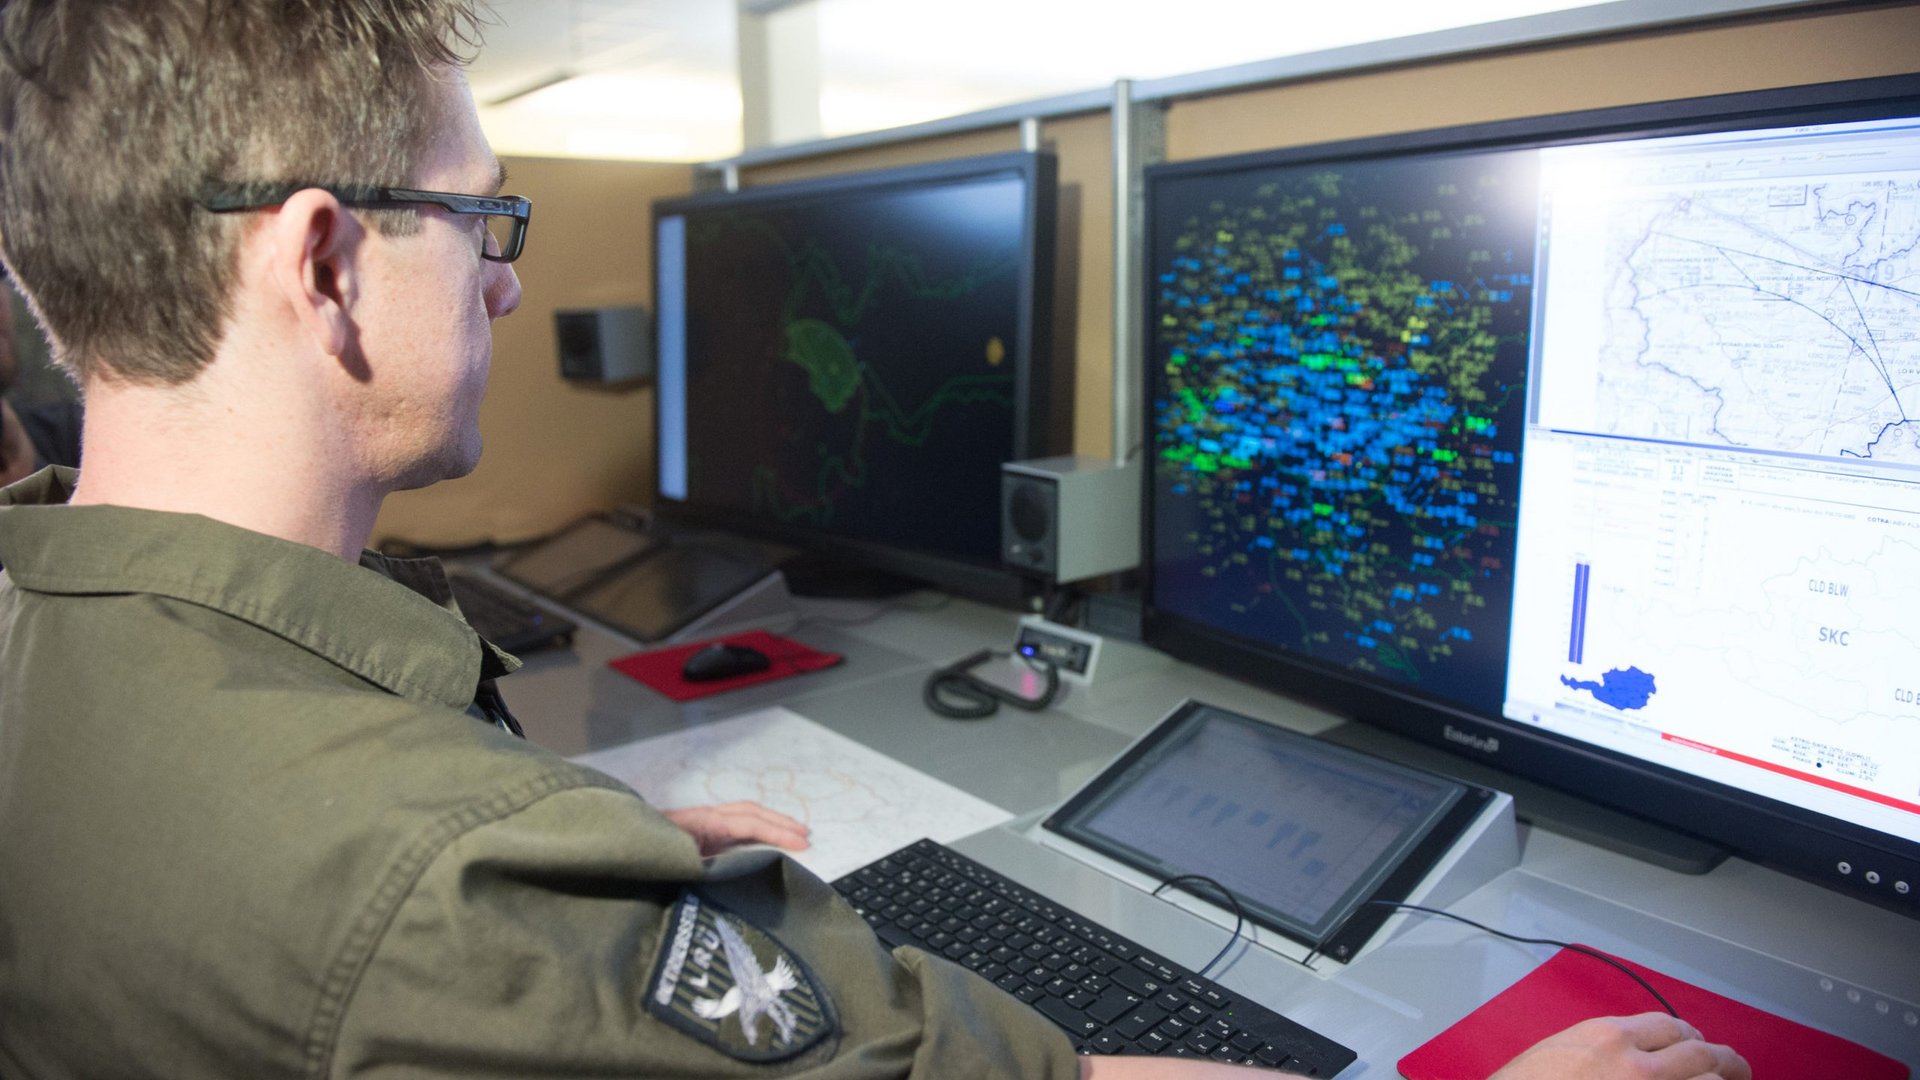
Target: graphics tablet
1302,831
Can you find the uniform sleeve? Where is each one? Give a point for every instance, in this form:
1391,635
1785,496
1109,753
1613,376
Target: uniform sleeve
581,935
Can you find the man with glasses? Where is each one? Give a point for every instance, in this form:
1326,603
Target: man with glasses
262,812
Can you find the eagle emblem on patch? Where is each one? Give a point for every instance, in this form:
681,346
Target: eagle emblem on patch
735,987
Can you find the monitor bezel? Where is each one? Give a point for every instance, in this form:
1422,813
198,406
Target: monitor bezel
989,580
1827,850
1353,925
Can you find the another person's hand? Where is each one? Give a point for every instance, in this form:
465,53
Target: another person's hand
16,450
717,828
1650,1046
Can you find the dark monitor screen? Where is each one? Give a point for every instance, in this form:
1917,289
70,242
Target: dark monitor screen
845,364
1586,444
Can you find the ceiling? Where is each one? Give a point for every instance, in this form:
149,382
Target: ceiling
657,79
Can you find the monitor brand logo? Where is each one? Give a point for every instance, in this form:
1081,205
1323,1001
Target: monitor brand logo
1486,744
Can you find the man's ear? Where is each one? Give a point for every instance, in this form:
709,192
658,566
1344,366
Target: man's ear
314,252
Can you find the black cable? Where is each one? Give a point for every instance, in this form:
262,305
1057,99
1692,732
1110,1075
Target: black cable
1595,953
1061,605
955,693
1239,917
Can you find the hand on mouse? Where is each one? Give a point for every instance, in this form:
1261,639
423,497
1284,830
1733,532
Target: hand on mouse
1650,1046
717,828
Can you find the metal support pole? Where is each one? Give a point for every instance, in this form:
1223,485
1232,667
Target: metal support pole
779,66
1139,139
1030,134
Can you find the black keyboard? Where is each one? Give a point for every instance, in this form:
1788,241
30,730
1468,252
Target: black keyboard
512,622
1109,994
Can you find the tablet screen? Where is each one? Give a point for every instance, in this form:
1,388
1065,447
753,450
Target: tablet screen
1302,831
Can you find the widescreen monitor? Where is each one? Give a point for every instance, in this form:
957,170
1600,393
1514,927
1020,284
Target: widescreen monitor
1586,445
844,364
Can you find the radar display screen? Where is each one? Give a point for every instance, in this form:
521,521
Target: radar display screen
847,364
1338,358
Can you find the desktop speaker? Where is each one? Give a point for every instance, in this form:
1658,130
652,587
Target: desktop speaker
1068,518
604,345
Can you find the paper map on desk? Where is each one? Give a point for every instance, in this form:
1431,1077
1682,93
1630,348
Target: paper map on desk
859,803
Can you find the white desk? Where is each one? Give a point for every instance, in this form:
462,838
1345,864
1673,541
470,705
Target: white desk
1752,933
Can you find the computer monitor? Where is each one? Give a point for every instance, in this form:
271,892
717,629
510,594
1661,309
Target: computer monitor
845,363
1585,445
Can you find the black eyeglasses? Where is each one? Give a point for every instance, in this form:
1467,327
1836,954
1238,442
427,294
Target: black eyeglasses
506,215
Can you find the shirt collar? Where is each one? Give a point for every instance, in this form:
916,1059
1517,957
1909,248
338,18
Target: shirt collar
394,627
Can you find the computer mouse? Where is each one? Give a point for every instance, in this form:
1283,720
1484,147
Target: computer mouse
723,661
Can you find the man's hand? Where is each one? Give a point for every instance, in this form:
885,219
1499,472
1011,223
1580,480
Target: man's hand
1650,1046
717,828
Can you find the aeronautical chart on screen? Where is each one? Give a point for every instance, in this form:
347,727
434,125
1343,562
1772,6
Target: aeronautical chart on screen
1719,561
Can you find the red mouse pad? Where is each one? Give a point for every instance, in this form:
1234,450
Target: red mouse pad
1572,987
660,668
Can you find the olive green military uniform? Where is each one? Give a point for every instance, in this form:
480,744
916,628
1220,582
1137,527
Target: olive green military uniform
250,826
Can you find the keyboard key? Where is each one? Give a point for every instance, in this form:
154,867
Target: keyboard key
1076,1023
1139,1022
1112,1005
1106,1043
1270,1056
1154,967
1137,981
1153,1043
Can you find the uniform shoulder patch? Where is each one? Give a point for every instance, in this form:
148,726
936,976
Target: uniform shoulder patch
734,987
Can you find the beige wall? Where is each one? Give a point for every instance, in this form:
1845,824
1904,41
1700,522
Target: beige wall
1534,82
555,452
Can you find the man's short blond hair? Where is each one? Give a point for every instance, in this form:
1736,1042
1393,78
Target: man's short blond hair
115,113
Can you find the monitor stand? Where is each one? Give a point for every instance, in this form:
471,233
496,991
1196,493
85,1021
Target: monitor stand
826,578
764,605
686,588
1537,804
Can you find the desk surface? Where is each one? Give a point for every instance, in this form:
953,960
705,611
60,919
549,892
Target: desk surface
1742,930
